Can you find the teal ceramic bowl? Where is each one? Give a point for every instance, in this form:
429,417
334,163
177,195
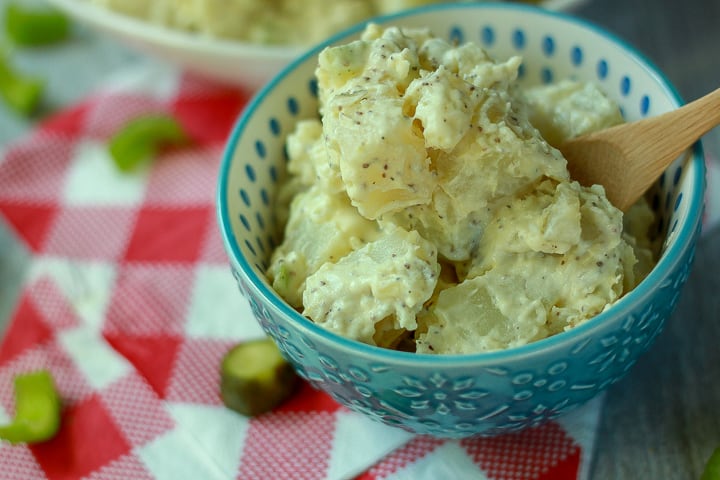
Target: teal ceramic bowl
480,394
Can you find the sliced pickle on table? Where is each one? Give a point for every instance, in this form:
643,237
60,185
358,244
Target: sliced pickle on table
255,378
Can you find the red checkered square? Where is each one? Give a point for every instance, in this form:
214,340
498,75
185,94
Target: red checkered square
301,444
213,251
185,176
149,300
90,233
69,123
531,453
208,114
136,410
88,439
32,222
196,378
111,112
310,399
34,171
172,234
26,334
153,357
193,85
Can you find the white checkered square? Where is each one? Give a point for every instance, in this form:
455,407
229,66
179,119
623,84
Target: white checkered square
154,79
99,363
86,285
370,440
94,180
220,431
175,455
217,309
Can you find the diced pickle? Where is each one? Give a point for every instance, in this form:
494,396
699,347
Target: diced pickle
255,378
22,92
37,409
35,26
140,138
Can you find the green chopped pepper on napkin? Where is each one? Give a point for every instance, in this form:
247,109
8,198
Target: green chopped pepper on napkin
37,409
139,139
32,27
21,92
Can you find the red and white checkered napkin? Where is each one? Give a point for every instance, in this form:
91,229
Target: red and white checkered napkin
130,304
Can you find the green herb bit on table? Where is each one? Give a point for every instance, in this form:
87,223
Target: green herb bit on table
255,378
37,409
35,26
21,92
712,468
140,138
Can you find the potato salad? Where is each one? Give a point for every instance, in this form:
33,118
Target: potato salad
426,208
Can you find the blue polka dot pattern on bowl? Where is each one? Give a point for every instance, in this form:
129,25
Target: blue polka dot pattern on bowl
260,149
275,127
456,35
548,46
245,197
518,38
625,84
292,106
644,105
576,56
487,36
313,87
546,75
602,69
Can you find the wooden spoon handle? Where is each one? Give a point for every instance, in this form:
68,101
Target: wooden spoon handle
626,159
672,132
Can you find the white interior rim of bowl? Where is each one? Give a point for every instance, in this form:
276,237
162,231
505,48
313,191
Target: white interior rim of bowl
666,263
154,33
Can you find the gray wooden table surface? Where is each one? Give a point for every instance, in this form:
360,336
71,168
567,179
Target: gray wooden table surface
660,422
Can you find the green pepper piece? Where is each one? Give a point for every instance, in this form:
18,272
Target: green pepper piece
140,138
21,92
35,26
37,409
712,468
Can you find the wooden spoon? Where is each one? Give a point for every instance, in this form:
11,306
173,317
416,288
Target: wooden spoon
626,159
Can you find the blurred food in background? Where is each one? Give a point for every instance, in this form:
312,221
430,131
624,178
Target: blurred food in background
273,22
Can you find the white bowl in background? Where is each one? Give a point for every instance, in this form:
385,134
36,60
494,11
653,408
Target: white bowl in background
238,63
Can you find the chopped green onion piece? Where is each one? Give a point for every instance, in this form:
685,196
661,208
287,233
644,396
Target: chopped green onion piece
35,26
21,92
140,138
37,409
712,468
